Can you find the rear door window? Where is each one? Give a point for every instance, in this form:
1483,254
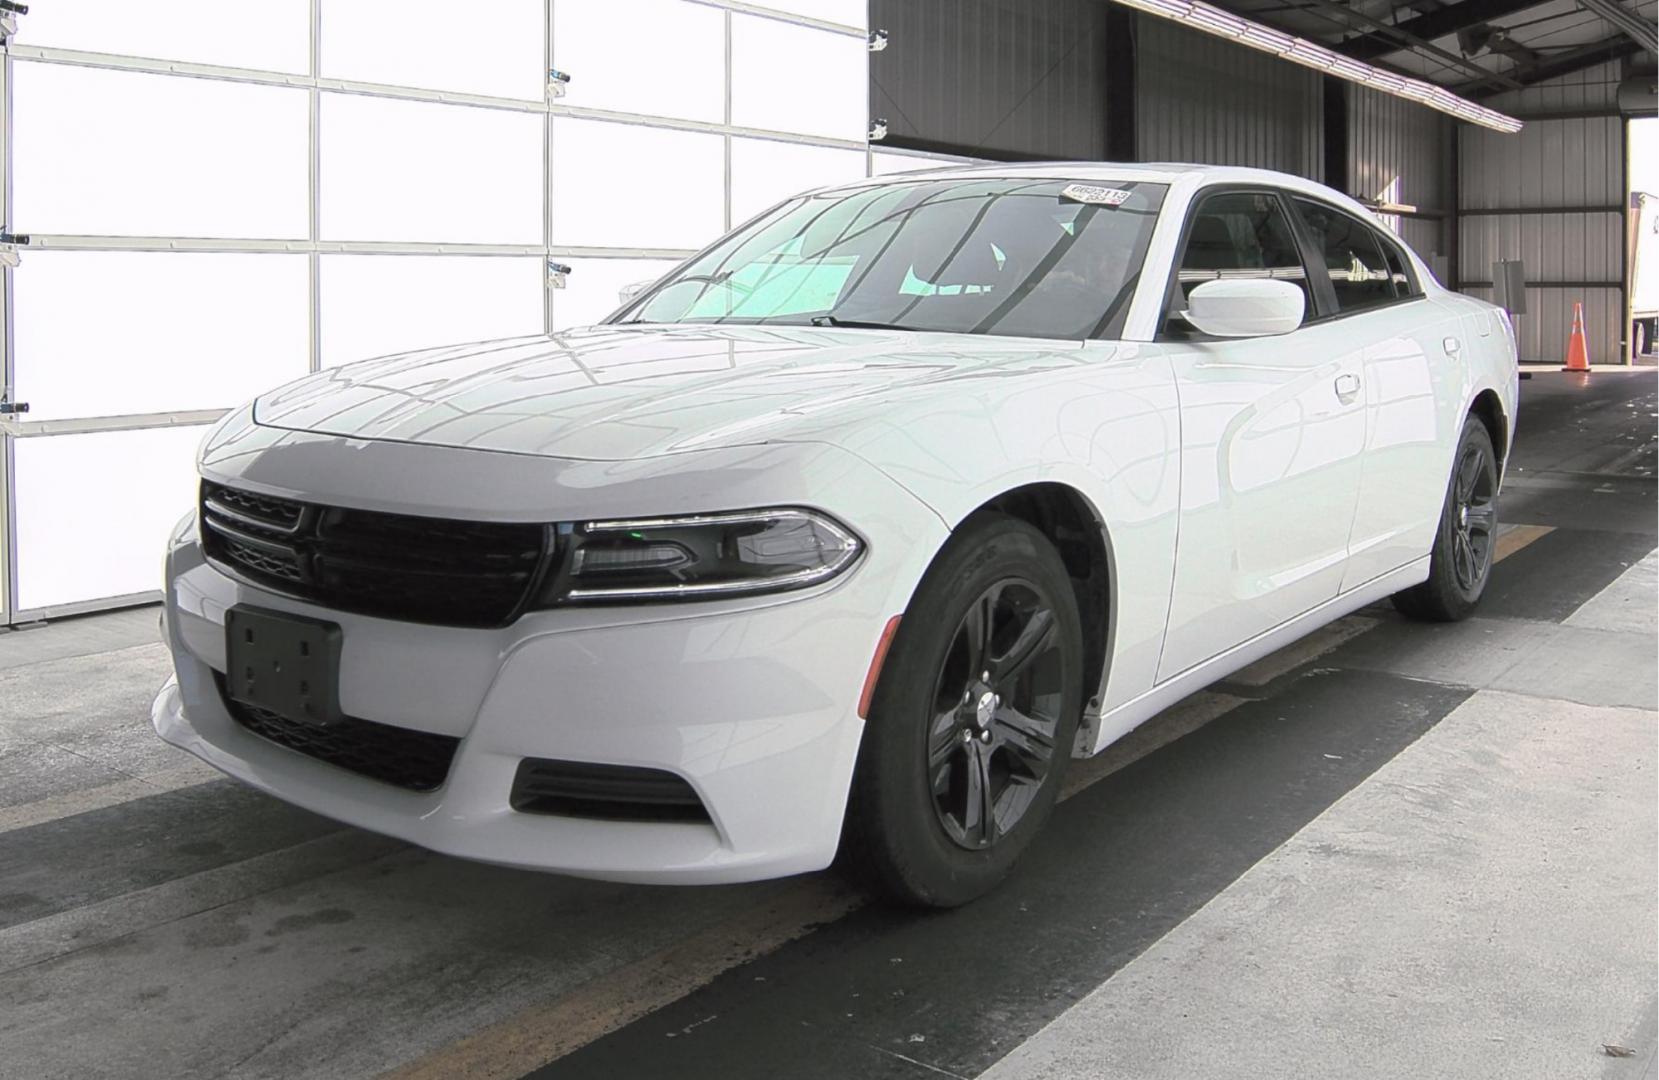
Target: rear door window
1353,257
1399,268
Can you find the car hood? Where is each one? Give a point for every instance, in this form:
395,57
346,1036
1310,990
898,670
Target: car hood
613,393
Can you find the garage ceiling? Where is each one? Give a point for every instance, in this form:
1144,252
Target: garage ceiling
1475,47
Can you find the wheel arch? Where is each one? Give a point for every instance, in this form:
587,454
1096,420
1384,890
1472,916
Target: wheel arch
1074,526
1487,407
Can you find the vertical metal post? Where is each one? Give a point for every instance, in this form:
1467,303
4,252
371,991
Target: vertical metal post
727,138
1119,142
547,172
1627,220
1454,224
1337,140
314,260
8,363
869,105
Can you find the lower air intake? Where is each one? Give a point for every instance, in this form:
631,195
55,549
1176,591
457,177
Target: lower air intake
609,792
415,760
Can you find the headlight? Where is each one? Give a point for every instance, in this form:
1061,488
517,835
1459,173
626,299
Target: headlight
702,556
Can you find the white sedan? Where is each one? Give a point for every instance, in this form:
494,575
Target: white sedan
844,536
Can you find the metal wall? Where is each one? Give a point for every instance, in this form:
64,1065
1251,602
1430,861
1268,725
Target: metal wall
1202,99
1007,78
1400,152
1552,196
1028,78
1003,77
1593,88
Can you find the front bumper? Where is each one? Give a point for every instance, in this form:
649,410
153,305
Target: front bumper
753,703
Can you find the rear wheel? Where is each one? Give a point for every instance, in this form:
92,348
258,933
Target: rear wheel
973,720
1461,561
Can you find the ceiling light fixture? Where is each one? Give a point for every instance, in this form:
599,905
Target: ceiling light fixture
1224,24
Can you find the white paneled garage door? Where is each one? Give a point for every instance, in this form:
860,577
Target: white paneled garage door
210,198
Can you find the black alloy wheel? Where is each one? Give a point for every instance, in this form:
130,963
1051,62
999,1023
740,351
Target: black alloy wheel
1465,545
996,712
1476,517
973,719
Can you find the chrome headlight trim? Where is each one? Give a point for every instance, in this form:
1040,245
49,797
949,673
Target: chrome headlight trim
851,548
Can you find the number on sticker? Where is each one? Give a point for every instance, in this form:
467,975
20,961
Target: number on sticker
1095,195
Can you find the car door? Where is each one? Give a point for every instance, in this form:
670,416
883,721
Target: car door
1412,388
1272,430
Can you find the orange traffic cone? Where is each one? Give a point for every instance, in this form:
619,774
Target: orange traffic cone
1578,351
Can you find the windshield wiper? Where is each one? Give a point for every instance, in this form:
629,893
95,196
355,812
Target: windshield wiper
856,324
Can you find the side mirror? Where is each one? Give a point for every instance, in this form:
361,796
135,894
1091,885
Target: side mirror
1245,308
629,293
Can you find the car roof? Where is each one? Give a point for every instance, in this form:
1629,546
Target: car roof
1187,176
1081,170
1157,172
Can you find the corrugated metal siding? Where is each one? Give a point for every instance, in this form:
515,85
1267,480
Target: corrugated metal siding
1399,151
1551,165
1425,236
1555,247
1202,99
1592,88
1542,332
1012,75
1576,162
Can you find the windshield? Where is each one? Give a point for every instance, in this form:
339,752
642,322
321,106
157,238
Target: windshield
1023,258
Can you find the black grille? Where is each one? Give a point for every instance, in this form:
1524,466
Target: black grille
417,760
398,566
263,563
280,513
615,792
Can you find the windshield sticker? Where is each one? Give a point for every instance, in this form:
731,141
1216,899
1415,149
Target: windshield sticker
1093,195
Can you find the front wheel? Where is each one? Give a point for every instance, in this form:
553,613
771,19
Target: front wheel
972,722
1464,545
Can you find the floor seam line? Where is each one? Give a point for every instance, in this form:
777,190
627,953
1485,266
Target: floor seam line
189,914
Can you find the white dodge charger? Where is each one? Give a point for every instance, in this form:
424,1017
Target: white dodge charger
844,536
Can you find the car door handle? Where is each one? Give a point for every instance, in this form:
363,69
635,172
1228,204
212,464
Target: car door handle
1347,385
1452,346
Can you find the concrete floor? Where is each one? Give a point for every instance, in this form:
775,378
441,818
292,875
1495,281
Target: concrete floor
1389,850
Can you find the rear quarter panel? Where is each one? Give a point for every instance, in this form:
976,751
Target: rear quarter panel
1490,358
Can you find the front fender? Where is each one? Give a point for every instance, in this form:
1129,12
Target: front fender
1107,426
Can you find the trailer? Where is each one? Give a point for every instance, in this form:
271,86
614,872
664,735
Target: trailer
1643,274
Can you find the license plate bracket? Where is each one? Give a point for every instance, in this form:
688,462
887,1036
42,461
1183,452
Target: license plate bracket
287,664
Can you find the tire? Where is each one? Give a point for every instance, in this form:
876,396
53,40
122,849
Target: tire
1460,563
940,734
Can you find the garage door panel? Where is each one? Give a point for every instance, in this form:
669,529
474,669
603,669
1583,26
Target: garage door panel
416,171
272,35
616,51
375,305
624,185
122,153
792,78
489,47
113,333
280,207
765,172
93,511
593,288
846,12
